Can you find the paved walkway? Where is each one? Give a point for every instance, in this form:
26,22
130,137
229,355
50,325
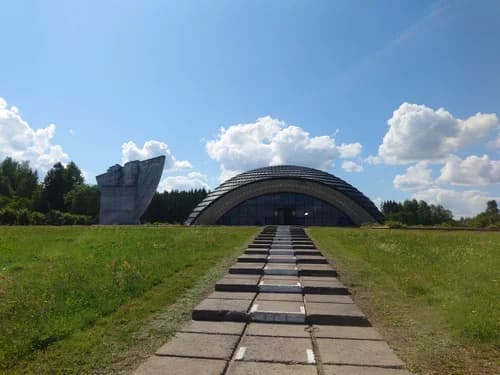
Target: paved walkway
280,310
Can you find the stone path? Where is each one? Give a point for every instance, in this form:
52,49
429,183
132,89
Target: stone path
280,310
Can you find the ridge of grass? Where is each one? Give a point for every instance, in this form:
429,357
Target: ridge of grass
434,295
73,299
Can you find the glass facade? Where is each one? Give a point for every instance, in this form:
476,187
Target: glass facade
285,209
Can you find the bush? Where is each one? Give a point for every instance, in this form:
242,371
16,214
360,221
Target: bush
72,219
54,217
37,218
395,224
23,217
8,216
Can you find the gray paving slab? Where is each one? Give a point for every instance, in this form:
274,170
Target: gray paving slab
346,332
275,349
246,268
159,365
278,330
321,287
311,259
261,368
280,284
328,298
234,310
258,246
257,251
289,252
293,297
278,312
237,284
289,269
221,328
281,259
232,295
362,370
307,252
343,314
304,246
316,270
200,345
357,353
253,258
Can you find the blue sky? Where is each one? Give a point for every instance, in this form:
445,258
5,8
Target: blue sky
132,79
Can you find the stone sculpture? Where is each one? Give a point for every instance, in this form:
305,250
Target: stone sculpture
127,191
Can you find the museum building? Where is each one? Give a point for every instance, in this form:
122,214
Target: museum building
285,195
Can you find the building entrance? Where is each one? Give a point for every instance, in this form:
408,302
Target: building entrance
284,216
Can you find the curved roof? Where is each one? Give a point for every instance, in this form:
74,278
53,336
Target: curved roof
287,171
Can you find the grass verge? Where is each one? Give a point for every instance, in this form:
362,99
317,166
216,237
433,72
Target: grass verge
77,300
434,295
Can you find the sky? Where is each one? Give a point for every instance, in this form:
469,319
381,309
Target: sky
399,98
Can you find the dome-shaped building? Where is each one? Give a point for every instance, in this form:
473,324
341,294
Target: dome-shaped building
285,195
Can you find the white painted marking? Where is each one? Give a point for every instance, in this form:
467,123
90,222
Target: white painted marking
302,310
241,353
261,282
310,356
254,308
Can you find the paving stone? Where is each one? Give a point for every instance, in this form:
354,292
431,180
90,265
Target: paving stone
234,310
342,314
200,345
288,269
246,268
258,246
311,259
278,330
325,279
226,328
304,247
289,252
316,270
280,284
328,298
362,370
345,332
275,349
157,365
314,252
253,258
257,252
278,312
281,259
294,297
232,295
259,368
358,353
237,285
321,287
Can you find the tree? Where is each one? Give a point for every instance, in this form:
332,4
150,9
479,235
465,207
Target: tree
53,188
72,177
492,207
83,200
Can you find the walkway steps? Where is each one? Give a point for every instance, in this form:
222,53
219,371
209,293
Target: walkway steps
279,310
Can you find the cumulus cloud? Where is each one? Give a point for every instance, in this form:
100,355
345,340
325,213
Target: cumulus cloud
473,170
151,149
351,150
21,142
462,203
270,141
193,180
351,166
416,177
417,132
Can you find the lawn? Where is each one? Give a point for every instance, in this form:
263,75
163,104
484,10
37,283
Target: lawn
73,299
434,295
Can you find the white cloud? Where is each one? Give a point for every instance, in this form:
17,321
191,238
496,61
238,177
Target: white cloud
417,133
415,177
270,141
351,150
193,180
351,166
473,170
21,142
151,149
461,203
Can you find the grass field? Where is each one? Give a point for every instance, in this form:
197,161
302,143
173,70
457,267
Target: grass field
73,299
435,295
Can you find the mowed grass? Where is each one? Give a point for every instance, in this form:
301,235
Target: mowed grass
436,295
72,297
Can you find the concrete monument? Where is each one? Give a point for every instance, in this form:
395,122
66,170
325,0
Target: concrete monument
127,191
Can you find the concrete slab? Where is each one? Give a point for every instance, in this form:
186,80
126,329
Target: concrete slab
340,332
288,269
304,247
289,252
321,287
157,365
281,259
232,295
311,259
220,328
316,270
280,284
252,258
247,268
314,252
292,297
342,314
258,246
328,298
200,345
257,251
275,349
358,370
326,279
237,285
259,368
357,353
234,310
278,312
278,330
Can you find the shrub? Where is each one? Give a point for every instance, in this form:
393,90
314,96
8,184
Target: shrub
37,218
395,224
54,217
23,217
8,216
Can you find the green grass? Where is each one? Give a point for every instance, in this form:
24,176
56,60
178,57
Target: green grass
73,298
436,294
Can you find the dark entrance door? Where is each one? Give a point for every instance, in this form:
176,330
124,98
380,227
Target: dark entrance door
284,216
